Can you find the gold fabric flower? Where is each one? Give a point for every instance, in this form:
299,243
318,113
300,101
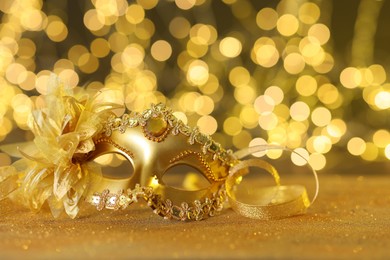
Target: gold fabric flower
55,170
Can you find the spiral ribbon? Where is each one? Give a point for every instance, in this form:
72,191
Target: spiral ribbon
273,202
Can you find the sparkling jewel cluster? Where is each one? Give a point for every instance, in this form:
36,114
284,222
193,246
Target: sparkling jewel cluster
176,127
198,210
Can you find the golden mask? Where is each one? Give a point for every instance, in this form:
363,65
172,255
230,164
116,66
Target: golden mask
73,129
153,142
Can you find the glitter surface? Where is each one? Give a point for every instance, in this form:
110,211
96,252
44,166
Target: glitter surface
350,219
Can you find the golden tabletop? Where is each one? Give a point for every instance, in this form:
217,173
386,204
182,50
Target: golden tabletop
349,220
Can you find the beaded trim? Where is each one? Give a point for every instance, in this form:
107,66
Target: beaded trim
198,210
175,126
108,140
202,161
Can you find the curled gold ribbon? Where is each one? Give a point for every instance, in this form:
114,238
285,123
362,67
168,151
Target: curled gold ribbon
270,202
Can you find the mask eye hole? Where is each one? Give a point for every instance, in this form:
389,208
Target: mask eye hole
185,177
115,166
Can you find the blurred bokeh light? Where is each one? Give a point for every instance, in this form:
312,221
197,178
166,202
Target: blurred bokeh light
309,75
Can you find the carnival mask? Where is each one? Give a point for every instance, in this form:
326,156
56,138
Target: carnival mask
155,141
74,130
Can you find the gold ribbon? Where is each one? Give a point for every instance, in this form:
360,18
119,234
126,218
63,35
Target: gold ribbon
269,202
